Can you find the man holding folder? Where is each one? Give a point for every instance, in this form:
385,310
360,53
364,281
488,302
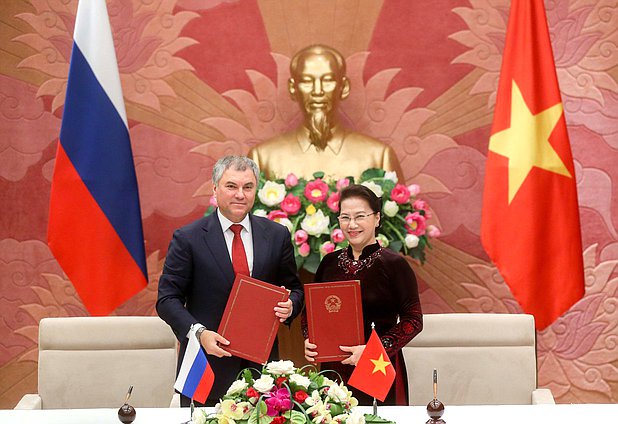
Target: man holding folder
203,259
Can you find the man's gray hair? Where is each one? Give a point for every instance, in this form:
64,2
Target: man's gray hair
238,163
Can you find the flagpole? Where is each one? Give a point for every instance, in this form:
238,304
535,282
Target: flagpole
375,402
192,409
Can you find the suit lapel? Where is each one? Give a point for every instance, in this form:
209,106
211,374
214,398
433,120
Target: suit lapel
261,246
215,241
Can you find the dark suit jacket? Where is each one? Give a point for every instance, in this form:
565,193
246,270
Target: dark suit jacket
198,275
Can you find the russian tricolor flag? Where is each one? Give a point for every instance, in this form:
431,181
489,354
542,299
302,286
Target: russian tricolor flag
195,378
95,227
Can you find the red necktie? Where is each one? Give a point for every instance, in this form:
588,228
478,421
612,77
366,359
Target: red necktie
239,257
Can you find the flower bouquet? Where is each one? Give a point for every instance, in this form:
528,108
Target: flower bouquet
309,210
284,394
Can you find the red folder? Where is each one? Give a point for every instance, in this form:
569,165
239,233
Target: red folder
334,317
249,321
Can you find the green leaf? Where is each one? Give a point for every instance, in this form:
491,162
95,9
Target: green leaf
311,262
370,418
318,174
372,173
335,409
297,417
210,210
299,261
419,254
395,245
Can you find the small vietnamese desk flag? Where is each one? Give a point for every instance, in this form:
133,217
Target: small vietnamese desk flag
530,222
195,378
95,227
374,374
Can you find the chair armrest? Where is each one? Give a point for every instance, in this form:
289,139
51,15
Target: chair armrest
542,397
30,401
175,403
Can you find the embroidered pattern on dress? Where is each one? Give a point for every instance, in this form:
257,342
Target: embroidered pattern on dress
352,266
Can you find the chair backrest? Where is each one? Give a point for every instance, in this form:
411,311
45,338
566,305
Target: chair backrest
486,359
90,362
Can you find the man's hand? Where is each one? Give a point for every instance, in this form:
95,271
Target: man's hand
283,310
310,351
211,342
355,351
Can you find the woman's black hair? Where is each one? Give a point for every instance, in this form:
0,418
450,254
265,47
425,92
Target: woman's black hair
361,192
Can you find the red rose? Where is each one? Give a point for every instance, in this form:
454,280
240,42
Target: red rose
280,381
291,204
400,194
252,393
278,420
300,396
333,201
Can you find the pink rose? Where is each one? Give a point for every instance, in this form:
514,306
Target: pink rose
290,204
342,183
333,201
276,214
304,250
400,194
421,205
291,180
213,201
415,224
414,189
316,191
433,231
300,237
327,247
337,236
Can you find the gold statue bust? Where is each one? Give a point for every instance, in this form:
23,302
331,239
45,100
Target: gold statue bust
318,83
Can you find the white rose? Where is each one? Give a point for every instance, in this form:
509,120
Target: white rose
390,208
272,193
199,416
339,393
286,223
280,367
264,383
356,417
374,187
260,212
391,175
411,241
300,380
237,387
335,393
316,224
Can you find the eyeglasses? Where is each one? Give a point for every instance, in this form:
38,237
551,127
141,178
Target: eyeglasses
359,219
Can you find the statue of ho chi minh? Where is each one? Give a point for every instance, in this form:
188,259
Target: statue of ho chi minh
318,83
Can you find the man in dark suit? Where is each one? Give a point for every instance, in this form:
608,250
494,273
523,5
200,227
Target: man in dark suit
198,272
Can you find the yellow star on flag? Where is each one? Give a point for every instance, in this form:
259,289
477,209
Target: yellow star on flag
380,365
526,142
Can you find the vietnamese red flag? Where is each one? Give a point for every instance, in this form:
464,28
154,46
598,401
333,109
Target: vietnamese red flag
374,374
530,224
95,227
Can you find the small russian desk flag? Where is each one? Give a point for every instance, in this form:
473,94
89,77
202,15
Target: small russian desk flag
195,378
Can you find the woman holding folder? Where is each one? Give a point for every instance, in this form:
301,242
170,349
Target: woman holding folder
389,290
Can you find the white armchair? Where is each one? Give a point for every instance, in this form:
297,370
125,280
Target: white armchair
482,359
91,362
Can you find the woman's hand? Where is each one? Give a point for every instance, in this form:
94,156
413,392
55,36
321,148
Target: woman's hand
355,353
310,351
